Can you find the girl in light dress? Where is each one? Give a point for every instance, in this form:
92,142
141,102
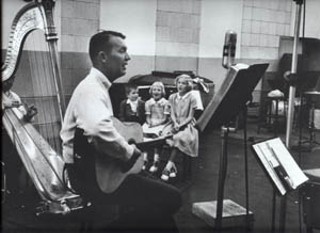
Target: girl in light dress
157,112
183,105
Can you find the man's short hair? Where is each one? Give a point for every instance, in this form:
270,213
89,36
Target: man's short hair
100,42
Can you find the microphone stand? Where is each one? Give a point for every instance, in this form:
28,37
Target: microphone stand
292,92
294,64
228,102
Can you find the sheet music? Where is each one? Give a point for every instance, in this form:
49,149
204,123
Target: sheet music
263,154
273,153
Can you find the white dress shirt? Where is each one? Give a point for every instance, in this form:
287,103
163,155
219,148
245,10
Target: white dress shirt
90,109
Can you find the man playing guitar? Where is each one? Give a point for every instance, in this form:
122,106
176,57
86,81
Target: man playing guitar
90,110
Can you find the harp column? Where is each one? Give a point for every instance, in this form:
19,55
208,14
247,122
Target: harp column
51,37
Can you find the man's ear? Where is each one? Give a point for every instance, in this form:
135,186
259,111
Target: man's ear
103,57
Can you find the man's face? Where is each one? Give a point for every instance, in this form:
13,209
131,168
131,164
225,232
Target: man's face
117,58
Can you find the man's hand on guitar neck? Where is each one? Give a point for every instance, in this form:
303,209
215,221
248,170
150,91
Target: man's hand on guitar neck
125,167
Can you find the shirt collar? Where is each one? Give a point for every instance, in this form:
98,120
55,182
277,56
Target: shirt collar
184,96
134,102
160,101
101,77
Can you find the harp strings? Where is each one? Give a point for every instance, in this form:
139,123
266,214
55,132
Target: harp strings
44,97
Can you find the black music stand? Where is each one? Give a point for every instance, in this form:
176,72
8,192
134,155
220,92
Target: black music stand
230,100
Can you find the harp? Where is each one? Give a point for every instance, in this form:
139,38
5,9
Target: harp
34,144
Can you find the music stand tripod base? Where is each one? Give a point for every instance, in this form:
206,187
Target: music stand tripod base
233,215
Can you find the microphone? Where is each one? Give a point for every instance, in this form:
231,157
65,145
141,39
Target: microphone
229,49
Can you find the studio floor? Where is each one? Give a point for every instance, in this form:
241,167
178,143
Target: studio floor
204,181
202,185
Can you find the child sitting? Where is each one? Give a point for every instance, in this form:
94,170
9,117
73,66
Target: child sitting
132,108
157,115
185,137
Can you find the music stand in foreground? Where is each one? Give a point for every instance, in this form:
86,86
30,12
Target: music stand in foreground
232,97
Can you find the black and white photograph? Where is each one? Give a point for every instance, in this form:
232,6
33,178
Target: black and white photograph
160,116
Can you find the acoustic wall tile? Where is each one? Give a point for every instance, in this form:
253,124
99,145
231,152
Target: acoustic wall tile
274,4
273,16
169,5
265,14
195,36
273,53
272,41
254,52
177,49
65,26
288,30
86,10
163,18
83,27
196,8
264,27
188,20
68,9
67,42
248,2
254,40
80,9
289,6
245,39
186,6
256,13
257,3
247,12
272,28
175,20
184,35
287,17
163,34
172,63
255,26
280,29
246,25
263,40
282,5
81,43
281,17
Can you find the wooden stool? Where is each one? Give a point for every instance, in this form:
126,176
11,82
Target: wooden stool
270,118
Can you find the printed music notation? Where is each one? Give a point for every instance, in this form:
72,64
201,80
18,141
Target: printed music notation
279,165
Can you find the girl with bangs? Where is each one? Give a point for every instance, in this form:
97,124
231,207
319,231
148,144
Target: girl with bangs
157,112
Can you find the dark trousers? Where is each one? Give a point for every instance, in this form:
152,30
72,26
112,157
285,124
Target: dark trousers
151,204
154,204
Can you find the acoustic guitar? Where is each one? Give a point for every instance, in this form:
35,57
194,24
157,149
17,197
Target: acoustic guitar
108,170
